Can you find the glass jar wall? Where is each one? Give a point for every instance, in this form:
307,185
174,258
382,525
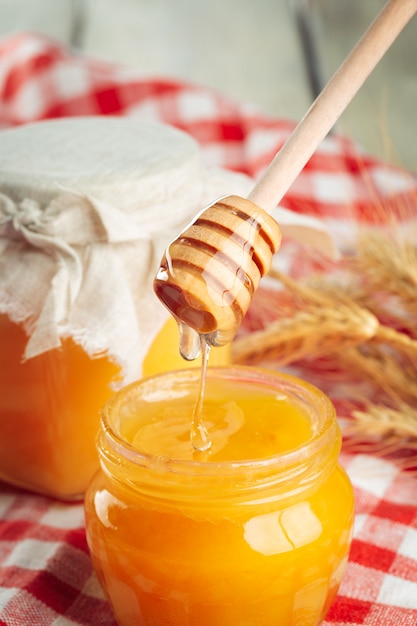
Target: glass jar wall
255,531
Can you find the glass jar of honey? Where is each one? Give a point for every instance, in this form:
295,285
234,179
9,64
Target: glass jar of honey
87,206
254,531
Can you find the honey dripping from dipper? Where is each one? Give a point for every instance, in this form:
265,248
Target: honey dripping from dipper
207,279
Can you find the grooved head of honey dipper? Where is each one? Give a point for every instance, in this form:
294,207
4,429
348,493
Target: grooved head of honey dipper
210,272
184,306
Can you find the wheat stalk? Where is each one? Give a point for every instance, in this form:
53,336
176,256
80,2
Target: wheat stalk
389,266
310,333
396,340
321,323
384,421
393,377
360,328
389,308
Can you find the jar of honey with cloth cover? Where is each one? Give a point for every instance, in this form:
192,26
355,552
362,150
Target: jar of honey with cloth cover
86,208
254,531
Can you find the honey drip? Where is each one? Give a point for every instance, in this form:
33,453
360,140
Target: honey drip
199,436
189,343
207,278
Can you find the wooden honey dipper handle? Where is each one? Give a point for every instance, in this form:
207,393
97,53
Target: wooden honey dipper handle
330,104
209,274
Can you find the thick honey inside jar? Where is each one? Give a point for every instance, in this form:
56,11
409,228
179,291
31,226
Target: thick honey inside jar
254,532
50,408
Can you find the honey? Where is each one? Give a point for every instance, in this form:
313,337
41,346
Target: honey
254,531
50,408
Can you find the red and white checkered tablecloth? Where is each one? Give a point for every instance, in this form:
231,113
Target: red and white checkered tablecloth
46,576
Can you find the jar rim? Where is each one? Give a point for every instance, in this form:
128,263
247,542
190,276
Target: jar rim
305,392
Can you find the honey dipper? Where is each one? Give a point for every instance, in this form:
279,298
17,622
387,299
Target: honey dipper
210,272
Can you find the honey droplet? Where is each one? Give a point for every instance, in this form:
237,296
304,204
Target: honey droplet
189,342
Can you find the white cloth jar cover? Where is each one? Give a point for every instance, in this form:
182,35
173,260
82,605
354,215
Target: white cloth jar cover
87,207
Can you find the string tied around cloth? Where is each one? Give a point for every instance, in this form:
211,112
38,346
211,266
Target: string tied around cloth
23,215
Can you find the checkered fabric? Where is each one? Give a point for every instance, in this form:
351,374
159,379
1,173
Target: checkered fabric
46,577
